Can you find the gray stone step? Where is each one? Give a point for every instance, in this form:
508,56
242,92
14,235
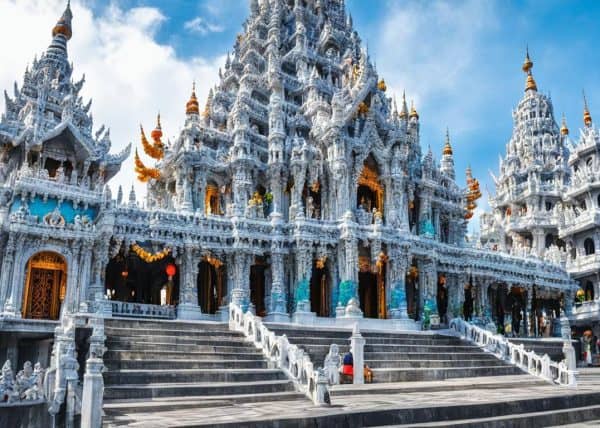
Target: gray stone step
376,340
124,331
211,346
415,355
440,373
431,363
542,419
168,404
128,354
179,340
155,364
419,349
155,390
155,325
170,375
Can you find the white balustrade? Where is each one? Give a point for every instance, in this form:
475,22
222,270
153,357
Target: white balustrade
530,362
277,349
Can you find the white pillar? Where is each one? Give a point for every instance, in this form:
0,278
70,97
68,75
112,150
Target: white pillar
357,346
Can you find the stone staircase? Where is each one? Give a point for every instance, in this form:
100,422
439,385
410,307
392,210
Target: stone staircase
404,357
163,365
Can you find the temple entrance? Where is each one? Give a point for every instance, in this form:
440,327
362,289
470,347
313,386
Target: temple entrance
45,286
371,290
442,298
137,275
320,289
211,284
497,298
370,191
257,285
412,294
516,301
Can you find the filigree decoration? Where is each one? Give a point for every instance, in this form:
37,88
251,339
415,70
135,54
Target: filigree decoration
54,218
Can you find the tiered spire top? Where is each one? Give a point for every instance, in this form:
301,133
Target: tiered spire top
192,106
527,66
447,146
63,26
413,111
587,117
564,130
404,110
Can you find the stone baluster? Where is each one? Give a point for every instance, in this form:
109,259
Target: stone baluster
357,346
93,382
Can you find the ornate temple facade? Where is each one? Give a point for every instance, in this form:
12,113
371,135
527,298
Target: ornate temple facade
547,196
299,190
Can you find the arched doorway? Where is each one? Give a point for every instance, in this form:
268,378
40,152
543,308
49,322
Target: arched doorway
442,298
257,285
143,277
320,288
211,284
370,192
371,287
412,294
45,286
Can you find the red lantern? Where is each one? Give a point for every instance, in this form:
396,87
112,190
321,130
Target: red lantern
171,269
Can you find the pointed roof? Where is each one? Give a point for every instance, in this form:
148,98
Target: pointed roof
447,147
63,26
192,106
587,117
527,66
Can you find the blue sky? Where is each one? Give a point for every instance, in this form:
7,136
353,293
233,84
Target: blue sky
458,59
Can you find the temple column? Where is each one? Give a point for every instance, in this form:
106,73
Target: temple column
6,284
188,308
200,191
240,294
304,261
85,277
462,280
70,304
527,322
398,264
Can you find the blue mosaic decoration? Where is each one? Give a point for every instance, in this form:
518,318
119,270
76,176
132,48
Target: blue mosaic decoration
426,229
398,295
348,290
38,207
302,292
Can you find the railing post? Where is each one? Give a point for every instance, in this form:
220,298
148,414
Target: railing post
357,345
93,383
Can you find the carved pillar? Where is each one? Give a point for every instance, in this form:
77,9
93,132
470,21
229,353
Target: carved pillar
304,259
240,294
398,264
188,307
6,284
200,190
85,277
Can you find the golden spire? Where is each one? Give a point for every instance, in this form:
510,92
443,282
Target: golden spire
527,66
404,110
564,130
192,106
447,147
381,85
63,26
587,117
413,111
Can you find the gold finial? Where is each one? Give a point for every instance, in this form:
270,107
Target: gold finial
527,64
587,117
156,134
413,111
404,111
447,147
381,85
564,130
192,106
63,26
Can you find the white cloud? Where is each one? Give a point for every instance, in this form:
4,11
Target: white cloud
129,75
430,49
201,26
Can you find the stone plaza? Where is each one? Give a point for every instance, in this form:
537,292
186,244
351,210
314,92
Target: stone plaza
294,219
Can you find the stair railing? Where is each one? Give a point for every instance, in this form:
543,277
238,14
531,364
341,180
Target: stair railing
528,361
283,355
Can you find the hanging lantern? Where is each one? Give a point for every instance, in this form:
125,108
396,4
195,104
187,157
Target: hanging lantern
125,274
171,269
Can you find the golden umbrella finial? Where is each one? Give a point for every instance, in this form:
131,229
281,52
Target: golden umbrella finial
587,117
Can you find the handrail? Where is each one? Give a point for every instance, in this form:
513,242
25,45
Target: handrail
530,362
289,358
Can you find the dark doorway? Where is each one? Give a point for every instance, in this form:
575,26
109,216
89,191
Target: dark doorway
257,285
211,286
319,289
367,292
